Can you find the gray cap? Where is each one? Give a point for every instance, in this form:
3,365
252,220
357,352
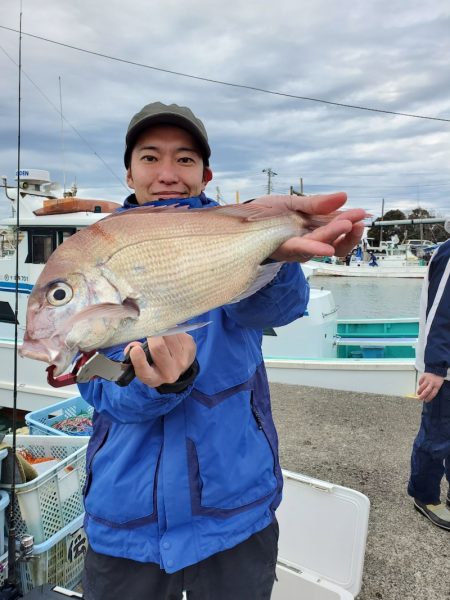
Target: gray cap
158,113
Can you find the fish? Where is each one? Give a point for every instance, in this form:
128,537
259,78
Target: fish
148,271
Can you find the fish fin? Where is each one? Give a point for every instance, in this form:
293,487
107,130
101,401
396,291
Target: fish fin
120,284
265,274
148,210
182,328
245,212
127,310
259,212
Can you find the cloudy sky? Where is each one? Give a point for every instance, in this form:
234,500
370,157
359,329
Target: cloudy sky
102,61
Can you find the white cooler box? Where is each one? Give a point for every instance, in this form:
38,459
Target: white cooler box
323,532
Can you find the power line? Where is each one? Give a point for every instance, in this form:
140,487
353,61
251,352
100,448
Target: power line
63,118
227,83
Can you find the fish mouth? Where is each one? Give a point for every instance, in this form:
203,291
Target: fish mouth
45,351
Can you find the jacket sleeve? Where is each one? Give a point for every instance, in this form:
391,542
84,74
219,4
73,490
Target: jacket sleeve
280,302
437,342
133,403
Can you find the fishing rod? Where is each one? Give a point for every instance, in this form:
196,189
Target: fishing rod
10,589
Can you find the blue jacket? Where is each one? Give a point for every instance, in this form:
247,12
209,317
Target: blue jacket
175,478
433,348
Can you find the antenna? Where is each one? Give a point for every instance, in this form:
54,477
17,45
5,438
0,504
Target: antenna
62,135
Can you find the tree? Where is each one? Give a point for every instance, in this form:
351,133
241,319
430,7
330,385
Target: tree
420,231
388,230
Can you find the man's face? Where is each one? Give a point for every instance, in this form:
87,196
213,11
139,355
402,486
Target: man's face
166,163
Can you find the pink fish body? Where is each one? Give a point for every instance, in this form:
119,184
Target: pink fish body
147,271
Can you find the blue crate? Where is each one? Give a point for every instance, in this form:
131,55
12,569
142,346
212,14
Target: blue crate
40,421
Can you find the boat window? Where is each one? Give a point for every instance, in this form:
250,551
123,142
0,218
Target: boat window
43,241
41,248
6,313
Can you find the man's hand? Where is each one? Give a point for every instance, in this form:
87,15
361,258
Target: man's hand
429,386
172,356
338,237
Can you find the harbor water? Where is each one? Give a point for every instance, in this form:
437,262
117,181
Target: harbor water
377,298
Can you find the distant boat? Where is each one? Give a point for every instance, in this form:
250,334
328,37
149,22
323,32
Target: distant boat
384,268
391,261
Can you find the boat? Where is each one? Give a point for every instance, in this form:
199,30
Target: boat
384,268
387,260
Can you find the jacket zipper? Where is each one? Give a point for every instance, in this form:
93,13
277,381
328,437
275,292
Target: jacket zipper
255,412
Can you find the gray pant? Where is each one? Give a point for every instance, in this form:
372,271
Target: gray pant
245,572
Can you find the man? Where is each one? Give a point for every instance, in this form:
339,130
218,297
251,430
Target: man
183,476
430,457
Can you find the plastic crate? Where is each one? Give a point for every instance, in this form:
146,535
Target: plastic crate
54,499
3,455
3,568
58,561
41,421
4,501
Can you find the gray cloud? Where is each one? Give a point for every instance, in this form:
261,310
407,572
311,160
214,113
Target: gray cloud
389,55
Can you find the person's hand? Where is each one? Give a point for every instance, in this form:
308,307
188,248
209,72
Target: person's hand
338,237
172,356
429,385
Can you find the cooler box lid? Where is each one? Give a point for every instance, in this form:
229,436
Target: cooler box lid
323,530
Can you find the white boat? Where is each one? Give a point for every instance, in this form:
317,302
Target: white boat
310,351
390,261
385,268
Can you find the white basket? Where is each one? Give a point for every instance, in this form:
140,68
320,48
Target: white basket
58,561
54,499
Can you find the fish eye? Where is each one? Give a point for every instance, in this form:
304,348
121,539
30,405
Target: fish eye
60,293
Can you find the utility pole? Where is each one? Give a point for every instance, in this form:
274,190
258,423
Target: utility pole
219,198
270,174
381,229
300,193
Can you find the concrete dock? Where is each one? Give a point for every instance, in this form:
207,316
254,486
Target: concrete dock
363,441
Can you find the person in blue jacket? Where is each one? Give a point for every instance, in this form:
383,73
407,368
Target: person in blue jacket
430,458
183,476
